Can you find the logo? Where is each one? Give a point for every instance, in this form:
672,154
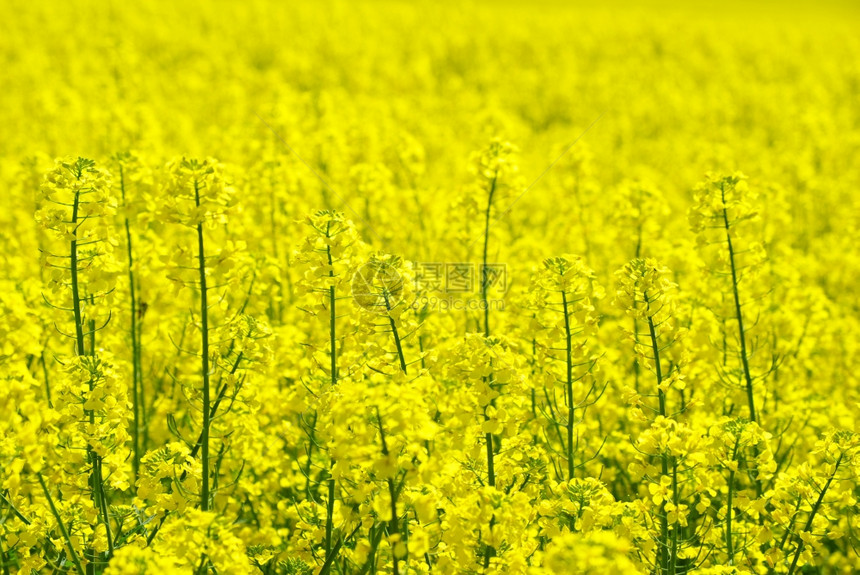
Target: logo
377,286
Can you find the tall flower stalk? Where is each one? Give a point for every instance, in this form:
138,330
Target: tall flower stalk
124,161
326,252
78,207
198,195
643,291
563,293
382,289
494,167
724,204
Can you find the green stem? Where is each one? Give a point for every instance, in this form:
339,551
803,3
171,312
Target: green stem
274,209
655,348
738,313
808,527
484,272
636,367
791,521
329,520
569,387
221,395
5,561
329,515
730,547
741,331
310,453
393,527
395,334
80,347
135,344
46,378
332,314
491,468
665,558
330,557
664,521
61,526
14,509
204,352
488,438
673,555
194,450
76,295
99,493
104,506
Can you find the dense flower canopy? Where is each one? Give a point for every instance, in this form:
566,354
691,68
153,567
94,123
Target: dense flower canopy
374,287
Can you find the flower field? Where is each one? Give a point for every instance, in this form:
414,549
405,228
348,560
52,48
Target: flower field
348,288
